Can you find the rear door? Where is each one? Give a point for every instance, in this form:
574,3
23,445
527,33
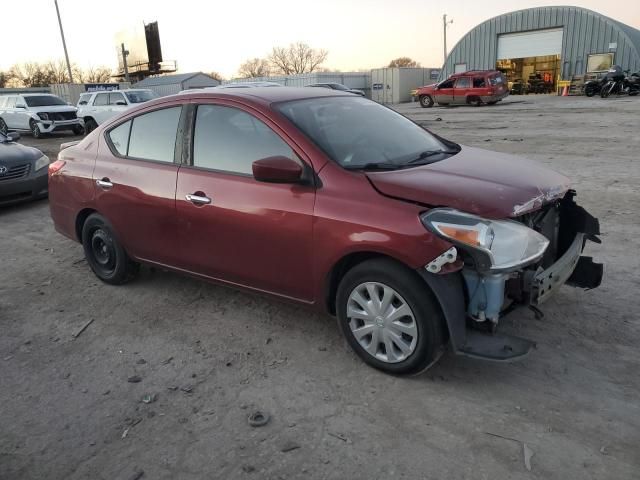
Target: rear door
100,110
461,89
444,93
248,233
135,176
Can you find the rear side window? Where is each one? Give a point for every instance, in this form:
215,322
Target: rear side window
230,140
153,135
119,137
479,82
101,99
11,102
463,82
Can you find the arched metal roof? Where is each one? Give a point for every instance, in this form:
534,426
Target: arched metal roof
584,32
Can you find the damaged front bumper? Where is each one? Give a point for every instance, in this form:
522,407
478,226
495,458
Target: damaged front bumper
489,295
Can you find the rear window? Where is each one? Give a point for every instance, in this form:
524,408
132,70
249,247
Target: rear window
153,135
43,100
496,79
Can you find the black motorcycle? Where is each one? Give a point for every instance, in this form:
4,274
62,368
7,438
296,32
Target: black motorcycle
620,83
615,81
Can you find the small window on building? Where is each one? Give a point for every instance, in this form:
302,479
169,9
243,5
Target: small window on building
479,82
230,140
464,82
101,99
153,135
119,137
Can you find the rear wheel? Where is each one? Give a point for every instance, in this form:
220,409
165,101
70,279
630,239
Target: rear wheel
89,125
104,254
590,90
390,317
493,102
3,127
426,101
35,129
476,101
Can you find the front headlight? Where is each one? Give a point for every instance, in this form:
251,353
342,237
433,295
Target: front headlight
494,244
42,162
43,116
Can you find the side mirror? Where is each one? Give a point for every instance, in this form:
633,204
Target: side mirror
20,105
277,169
13,136
121,103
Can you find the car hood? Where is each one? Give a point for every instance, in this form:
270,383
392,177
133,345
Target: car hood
53,108
490,184
15,154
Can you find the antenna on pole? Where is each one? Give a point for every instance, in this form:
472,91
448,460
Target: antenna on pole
64,44
445,23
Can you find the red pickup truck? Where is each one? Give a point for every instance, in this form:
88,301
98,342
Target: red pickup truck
475,87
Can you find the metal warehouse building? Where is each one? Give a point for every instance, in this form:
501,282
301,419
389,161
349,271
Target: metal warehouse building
554,43
171,84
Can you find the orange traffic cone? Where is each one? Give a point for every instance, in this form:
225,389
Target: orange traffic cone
565,91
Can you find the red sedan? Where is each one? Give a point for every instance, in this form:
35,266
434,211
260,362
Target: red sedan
332,200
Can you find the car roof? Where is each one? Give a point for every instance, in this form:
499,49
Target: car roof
475,72
266,94
37,94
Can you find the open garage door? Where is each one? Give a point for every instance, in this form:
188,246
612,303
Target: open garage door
537,43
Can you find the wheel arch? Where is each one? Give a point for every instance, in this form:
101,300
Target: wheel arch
80,219
341,267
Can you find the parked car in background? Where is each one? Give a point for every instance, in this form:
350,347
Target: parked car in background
38,113
338,86
331,200
96,107
23,171
242,85
475,87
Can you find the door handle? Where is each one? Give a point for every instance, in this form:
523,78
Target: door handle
104,183
198,199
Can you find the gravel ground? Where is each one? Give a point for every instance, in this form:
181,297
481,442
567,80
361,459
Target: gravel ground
211,356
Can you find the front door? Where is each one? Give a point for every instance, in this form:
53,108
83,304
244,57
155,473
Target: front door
135,180
444,93
232,227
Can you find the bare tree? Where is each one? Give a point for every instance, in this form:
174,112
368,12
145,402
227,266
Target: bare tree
216,75
403,62
255,67
93,75
5,78
297,58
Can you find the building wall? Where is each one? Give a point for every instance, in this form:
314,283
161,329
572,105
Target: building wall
360,80
584,32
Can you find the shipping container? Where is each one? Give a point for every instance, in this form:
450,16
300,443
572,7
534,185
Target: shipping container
394,85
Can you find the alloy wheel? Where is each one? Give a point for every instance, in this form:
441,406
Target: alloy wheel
382,322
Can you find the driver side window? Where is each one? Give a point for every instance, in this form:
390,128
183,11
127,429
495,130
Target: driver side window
446,84
230,140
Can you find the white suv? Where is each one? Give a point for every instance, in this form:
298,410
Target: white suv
37,113
97,107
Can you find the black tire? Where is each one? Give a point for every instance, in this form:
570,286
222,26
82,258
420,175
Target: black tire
426,101
104,254
35,129
493,102
89,125
3,127
431,331
78,130
475,101
590,90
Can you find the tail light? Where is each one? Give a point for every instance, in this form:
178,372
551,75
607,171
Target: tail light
56,166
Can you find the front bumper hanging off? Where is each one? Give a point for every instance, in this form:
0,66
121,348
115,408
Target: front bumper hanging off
537,285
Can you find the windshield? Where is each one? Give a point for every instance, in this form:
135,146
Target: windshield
43,100
140,96
359,133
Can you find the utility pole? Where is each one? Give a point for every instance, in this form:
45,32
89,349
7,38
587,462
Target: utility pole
64,44
125,52
444,25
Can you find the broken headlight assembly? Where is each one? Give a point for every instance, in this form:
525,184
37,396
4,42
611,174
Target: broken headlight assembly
494,245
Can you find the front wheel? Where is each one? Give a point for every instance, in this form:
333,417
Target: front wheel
35,129
389,317
104,254
426,101
89,125
590,90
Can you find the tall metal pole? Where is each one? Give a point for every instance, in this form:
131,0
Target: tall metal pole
64,43
444,27
125,52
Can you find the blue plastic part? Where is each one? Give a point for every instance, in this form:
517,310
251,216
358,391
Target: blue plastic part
486,294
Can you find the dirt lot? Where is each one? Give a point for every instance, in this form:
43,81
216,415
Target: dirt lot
214,355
